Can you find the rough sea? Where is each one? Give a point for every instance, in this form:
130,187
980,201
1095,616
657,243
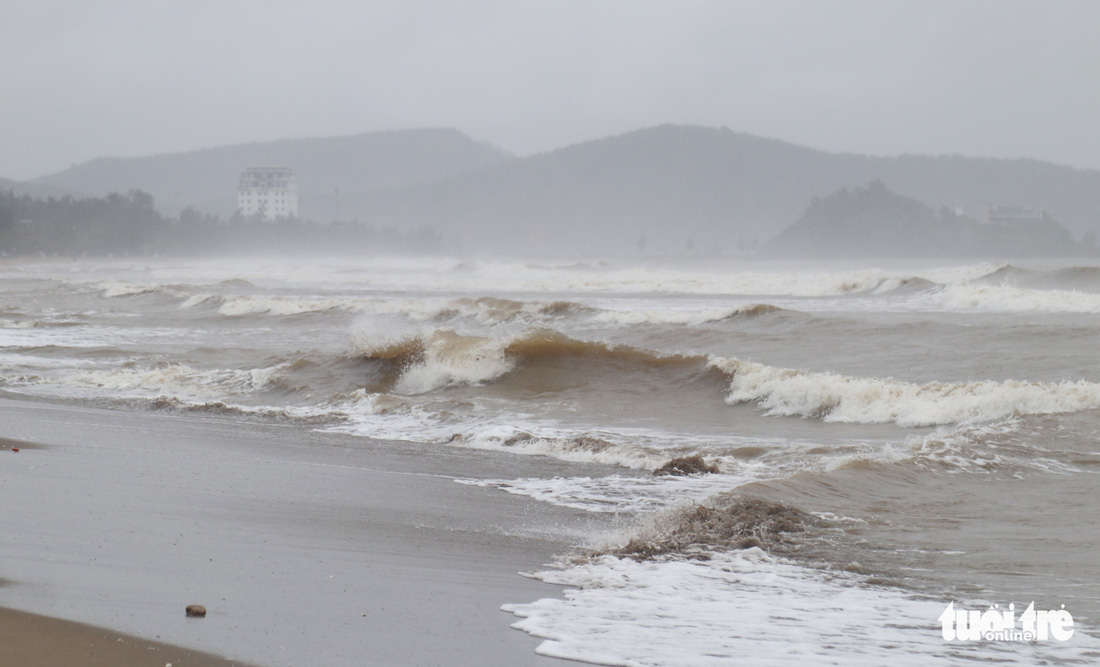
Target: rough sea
889,439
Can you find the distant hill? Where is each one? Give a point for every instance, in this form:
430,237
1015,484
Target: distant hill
675,188
665,189
662,188
874,222
35,190
207,179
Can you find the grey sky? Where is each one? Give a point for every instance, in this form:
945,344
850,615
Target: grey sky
135,77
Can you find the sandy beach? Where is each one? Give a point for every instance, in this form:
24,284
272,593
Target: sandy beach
30,640
306,548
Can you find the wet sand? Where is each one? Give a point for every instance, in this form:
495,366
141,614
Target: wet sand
30,640
306,548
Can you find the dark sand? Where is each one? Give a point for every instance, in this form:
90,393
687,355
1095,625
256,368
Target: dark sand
306,548
12,445
30,640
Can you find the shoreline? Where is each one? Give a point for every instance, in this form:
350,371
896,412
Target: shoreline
305,547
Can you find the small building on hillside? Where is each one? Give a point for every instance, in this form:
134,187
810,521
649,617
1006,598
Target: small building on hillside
271,192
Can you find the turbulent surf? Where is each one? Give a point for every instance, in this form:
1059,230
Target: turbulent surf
892,439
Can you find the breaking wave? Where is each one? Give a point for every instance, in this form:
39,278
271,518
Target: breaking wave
237,306
521,373
837,398
440,358
491,310
175,379
684,317
1086,278
1018,299
615,493
114,289
906,286
1011,288
1082,278
443,358
1005,273
484,311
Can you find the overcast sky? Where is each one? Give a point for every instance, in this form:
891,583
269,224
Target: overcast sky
997,78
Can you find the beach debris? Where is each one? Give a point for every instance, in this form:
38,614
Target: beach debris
687,465
742,523
196,610
15,449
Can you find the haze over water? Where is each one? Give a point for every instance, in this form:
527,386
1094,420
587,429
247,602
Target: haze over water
937,422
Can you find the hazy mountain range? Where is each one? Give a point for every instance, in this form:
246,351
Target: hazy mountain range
207,179
663,188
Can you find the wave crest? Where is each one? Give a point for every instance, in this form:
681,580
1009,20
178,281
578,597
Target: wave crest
684,317
1018,299
837,398
238,306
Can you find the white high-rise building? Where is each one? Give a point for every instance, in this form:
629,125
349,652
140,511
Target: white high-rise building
268,191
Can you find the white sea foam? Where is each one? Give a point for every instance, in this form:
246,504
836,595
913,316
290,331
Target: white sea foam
949,275
618,493
838,398
496,277
78,336
450,359
250,305
501,276
500,432
487,426
176,380
21,361
19,324
493,311
433,358
679,282
747,607
490,312
681,317
1013,299
1012,444
114,288
735,608
482,311
236,306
